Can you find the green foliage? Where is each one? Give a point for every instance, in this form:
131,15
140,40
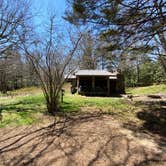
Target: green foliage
112,47
146,73
142,71
159,75
128,25
79,8
147,90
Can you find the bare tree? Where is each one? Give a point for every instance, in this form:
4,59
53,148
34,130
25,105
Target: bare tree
14,23
88,58
51,62
11,71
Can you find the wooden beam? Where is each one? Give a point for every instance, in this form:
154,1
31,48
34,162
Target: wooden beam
78,83
108,87
93,82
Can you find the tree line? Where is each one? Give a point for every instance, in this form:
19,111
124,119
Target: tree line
16,73
132,35
125,35
140,68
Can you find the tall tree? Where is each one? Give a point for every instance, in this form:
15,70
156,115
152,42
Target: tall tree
124,23
15,21
51,62
11,71
88,58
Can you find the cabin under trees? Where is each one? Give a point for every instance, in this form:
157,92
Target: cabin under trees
96,83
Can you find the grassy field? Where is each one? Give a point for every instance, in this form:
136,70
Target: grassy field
27,106
22,107
147,90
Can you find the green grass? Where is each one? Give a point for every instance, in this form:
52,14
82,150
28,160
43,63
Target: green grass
117,107
147,90
75,102
22,110
27,106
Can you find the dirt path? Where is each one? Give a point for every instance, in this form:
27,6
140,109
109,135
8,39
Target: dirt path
91,139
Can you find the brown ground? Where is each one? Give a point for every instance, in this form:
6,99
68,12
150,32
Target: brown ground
88,139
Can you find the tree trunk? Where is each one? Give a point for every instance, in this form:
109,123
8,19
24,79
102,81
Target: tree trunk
138,72
53,106
163,44
163,63
3,88
121,83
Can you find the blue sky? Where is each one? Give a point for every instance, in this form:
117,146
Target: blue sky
43,7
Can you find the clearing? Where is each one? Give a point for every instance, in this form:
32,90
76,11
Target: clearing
90,131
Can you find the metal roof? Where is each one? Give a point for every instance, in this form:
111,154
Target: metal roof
113,77
70,76
94,73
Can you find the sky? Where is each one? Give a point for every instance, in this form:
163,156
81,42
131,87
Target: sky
44,5
41,9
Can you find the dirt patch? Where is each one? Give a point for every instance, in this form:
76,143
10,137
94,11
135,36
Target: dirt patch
89,139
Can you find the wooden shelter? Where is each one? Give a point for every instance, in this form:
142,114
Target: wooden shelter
96,83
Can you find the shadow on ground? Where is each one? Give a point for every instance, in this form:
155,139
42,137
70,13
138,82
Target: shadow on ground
154,116
89,139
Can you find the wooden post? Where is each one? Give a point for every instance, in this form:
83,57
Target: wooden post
108,87
1,113
93,82
78,82
93,86
62,94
